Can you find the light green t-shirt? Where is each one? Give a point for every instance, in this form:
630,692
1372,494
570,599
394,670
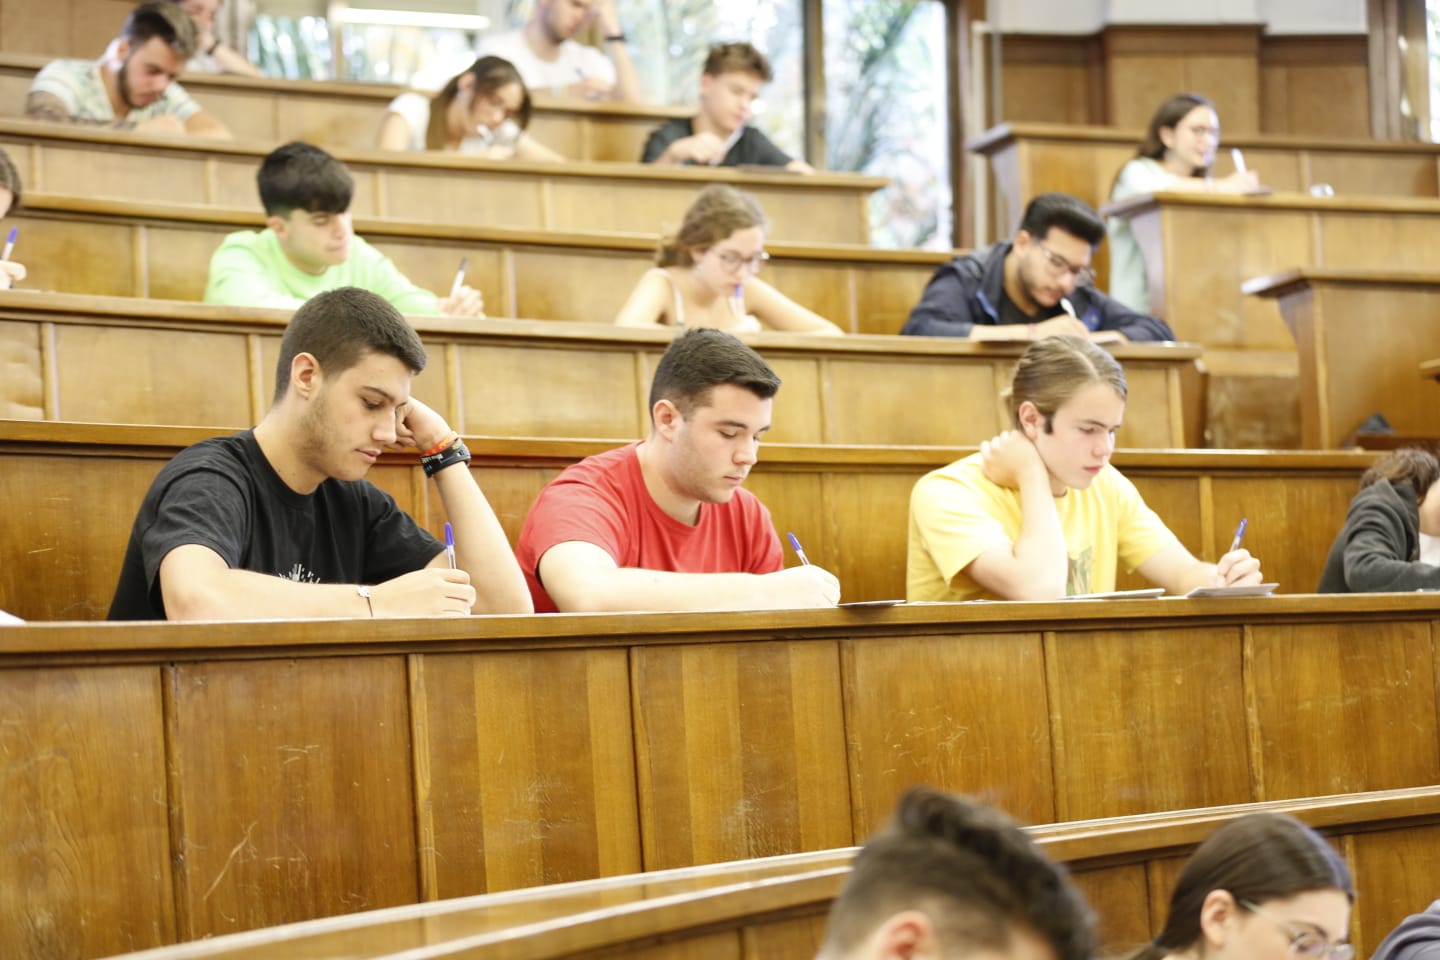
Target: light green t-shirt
957,513
250,270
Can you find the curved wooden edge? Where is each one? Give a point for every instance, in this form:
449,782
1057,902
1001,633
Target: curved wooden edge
69,206
1272,201
1279,284
549,922
1005,134
823,181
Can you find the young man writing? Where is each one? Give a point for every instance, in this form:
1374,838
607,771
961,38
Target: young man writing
1036,285
663,524
278,521
720,133
308,245
950,878
131,87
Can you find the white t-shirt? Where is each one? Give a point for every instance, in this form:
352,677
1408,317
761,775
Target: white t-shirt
1129,282
77,85
1430,550
576,61
414,109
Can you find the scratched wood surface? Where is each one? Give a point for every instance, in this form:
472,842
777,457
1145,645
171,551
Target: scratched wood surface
775,909
74,490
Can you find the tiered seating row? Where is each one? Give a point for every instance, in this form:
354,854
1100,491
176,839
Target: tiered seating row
184,780
146,249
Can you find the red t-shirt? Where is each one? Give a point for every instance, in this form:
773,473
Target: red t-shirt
603,500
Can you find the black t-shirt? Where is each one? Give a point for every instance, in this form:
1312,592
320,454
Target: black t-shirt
223,494
753,147
1010,312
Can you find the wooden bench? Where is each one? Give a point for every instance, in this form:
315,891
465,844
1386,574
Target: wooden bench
146,249
167,782
777,906
436,188
1357,333
346,115
72,492
114,360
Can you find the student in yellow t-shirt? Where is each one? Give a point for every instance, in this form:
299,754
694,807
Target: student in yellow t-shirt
1039,513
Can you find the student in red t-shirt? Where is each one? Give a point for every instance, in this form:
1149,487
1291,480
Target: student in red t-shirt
663,524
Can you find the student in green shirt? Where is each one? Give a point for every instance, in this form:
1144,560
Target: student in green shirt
308,245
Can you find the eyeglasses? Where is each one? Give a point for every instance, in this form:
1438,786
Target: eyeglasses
1305,941
733,260
1059,267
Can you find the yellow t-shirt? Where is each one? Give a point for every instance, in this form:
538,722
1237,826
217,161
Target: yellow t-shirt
956,514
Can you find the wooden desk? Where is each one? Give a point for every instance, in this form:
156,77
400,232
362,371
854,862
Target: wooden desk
172,781
436,188
1030,158
1358,333
776,906
82,358
72,491
346,115
145,249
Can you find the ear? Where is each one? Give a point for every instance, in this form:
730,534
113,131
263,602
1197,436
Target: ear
121,50
665,418
279,225
306,377
706,82
1032,422
1023,239
1218,915
466,83
907,935
1167,137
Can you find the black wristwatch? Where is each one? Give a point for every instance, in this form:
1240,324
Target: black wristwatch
616,38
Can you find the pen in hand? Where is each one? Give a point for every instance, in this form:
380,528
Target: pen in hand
799,550
1239,535
450,544
10,244
1238,158
459,277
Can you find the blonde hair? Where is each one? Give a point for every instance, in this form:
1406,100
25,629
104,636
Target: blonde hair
1053,370
716,213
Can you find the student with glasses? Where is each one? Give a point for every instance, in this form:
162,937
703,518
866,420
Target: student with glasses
1036,285
1261,887
1176,155
706,274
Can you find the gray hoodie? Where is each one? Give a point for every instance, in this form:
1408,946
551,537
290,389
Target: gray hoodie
1417,938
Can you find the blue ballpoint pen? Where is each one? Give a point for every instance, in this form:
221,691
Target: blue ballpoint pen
1239,535
799,550
450,544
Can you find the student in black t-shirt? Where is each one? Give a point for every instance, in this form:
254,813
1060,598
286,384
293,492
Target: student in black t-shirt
279,522
720,134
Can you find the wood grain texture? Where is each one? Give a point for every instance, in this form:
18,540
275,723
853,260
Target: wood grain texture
312,761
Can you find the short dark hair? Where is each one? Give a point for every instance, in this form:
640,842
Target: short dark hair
9,178
1171,112
163,19
737,58
299,176
1257,857
701,359
972,870
1411,465
339,327
1070,214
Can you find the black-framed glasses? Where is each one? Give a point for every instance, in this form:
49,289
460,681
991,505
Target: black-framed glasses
1306,940
733,260
1060,267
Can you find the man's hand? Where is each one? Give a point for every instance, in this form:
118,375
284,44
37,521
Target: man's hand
1010,459
704,148
419,426
466,302
432,592
801,588
590,88
1237,569
1061,326
167,124
11,273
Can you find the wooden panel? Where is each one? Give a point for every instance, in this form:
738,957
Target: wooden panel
868,512
740,751
799,413
1396,869
1175,694
1223,61
1314,86
209,381
589,286
21,380
1327,696
431,265
884,297
520,391
869,399
53,248
314,768
1179,502
1123,893
176,260
527,771
784,939
974,722
84,851
71,28
1277,513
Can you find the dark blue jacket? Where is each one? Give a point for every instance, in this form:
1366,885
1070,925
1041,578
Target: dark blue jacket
967,291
